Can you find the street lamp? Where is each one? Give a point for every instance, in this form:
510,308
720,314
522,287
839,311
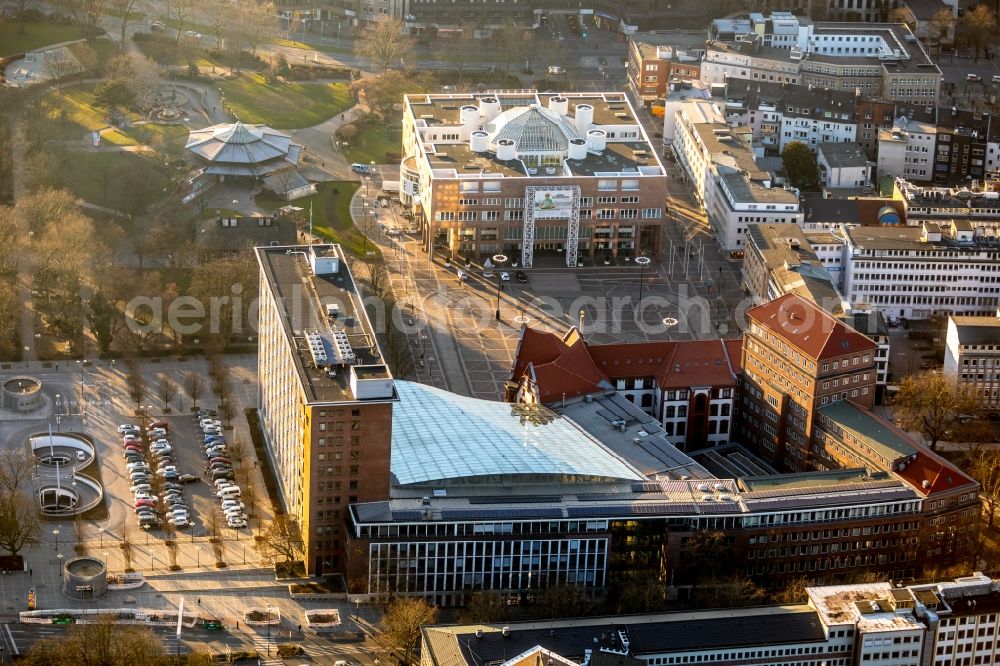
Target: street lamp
669,322
198,548
498,260
268,630
643,262
55,531
60,556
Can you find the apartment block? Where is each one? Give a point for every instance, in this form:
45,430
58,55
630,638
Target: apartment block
326,396
972,357
652,66
531,174
780,113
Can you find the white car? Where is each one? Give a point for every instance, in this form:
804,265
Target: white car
237,524
179,522
127,427
232,504
228,492
505,276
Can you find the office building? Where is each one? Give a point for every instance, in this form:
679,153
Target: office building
972,357
874,60
531,174
917,272
326,396
797,358
941,623
722,169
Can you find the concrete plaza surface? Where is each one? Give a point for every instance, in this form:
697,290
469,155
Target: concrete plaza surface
93,399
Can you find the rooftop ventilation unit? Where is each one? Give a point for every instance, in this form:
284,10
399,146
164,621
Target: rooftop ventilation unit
317,349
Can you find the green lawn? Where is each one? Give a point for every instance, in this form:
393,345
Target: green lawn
285,105
73,114
374,141
36,35
99,178
331,215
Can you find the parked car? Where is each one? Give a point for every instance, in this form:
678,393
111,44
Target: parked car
188,478
522,277
125,427
357,167
237,524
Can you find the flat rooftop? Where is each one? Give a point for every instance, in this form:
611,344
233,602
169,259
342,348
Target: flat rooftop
646,634
303,299
863,604
977,330
526,117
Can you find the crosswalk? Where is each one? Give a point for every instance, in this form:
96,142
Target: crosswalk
260,644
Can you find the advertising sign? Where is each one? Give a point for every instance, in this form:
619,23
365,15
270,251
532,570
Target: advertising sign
553,203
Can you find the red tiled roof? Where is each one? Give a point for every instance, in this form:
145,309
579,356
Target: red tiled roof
940,475
697,363
569,366
562,367
809,328
734,347
631,360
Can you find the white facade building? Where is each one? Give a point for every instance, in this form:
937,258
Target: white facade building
916,272
907,150
972,357
843,165
722,169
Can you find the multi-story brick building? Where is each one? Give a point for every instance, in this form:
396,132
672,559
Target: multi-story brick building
526,174
652,66
798,358
325,396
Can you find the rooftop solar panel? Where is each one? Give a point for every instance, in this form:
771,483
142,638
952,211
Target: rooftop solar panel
515,499
407,515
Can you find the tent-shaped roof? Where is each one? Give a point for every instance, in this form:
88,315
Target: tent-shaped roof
534,129
243,150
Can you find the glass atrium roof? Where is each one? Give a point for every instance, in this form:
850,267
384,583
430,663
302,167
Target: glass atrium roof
535,130
444,438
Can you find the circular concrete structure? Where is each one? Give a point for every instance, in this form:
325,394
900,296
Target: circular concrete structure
22,394
62,489
85,578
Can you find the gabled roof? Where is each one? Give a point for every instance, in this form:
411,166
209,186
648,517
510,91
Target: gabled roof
929,474
569,367
810,329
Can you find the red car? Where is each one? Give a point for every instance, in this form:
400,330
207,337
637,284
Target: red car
145,502
132,447
158,424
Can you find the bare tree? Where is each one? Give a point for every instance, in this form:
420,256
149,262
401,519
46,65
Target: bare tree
461,50
281,538
218,14
16,467
180,11
124,9
385,44
986,470
930,404
126,546
400,626
136,383
104,643
194,384
58,66
19,522
378,278
168,390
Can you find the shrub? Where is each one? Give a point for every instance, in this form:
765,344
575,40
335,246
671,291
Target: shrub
290,650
